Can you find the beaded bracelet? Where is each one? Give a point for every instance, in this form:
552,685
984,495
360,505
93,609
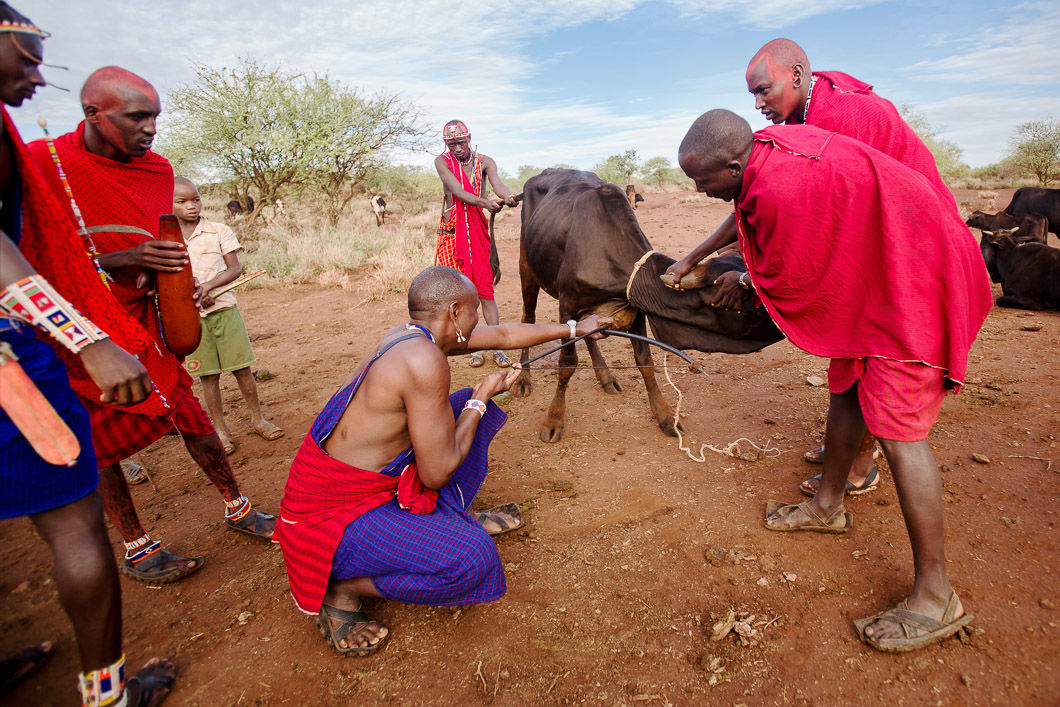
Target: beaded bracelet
34,301
476,405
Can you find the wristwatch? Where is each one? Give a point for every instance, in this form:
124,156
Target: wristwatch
573,328
745,283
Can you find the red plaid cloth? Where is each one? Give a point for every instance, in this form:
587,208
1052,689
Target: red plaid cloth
116,435
900,400
463,231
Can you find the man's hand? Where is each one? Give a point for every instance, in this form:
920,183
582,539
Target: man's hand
492,205
510,201
679,269
162,256
729,294
495,383
594,321
121,377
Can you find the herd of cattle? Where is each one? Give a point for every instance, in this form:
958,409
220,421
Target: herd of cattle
581,243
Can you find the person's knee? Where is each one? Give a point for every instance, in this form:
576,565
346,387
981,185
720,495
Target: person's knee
473,561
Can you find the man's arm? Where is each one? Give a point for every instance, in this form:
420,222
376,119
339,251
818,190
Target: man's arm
453,186
121,377
518,336
439,442
499,187
162,256
233,269
723,235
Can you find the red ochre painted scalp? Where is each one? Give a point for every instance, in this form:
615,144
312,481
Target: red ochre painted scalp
106,88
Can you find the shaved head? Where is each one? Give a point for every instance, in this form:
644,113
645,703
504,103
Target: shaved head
437,287
779,77
714,153
108,88
184,183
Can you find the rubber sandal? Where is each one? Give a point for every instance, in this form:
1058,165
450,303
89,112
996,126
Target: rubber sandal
352,620
816,524
254,523
501,359
145,570
508,509
153,688
871,483
935,631
18,667
816,455
274,434
134,472
476,360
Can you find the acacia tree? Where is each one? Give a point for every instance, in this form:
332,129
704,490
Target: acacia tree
271,130
657,168
1036,149
618,169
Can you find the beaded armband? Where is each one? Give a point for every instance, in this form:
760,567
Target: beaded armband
105,686
476,405
36,302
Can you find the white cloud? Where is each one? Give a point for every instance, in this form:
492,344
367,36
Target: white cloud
771,14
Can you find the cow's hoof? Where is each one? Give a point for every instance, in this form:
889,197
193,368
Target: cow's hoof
551,434
521,387
668,427
612,387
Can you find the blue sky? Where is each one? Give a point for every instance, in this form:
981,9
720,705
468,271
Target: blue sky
572,81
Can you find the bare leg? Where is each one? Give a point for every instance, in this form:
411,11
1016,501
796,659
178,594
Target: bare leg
249,389
86,577
490,312
209,454
919,486
346,594
860,468
211,391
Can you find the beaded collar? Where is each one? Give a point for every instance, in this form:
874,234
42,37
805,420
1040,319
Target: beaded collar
809,97
424,330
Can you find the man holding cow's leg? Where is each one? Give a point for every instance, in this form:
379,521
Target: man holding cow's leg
897,342
463,234
786,91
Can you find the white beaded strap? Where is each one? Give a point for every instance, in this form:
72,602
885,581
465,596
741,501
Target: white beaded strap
104,686
36,302
476,405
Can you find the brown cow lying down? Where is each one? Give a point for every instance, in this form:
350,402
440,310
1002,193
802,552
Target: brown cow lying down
1036,200
580,243
1031,228
1029,274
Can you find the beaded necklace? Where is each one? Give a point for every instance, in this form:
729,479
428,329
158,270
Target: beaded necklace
809,97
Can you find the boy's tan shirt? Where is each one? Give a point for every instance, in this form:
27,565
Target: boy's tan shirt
207,247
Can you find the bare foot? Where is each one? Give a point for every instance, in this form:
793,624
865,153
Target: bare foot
226,440
268,431
361,634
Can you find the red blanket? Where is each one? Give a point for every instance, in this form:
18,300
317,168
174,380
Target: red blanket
842,104
467,249
135,193
322,497
854,254
51,245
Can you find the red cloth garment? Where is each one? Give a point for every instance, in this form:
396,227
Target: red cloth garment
133,193
900,401
322,497
842,104
854,255
464,234
51,244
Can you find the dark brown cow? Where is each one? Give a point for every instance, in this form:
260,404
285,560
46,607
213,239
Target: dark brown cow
991,222
1029,274
580,243
1031,228
1035,200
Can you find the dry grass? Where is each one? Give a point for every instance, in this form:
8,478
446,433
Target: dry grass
301,247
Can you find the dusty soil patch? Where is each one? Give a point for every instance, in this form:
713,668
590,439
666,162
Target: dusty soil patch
633,553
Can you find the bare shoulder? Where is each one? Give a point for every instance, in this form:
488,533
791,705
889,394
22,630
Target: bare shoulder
418,363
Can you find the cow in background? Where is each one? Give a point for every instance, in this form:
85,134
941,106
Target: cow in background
1035,200
1029,274
236,207
379,209
1032,228
633,196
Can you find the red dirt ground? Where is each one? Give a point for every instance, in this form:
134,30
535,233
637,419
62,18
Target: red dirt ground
632,551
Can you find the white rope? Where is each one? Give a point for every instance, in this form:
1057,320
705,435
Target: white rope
636,269
732,449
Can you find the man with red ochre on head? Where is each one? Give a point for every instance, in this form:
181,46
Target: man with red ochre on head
813,209
122,187
463,233
787,92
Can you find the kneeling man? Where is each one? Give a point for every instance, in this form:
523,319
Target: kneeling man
376,502
858,259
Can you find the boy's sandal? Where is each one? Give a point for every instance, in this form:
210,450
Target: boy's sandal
269,432
255,523
497,515
933,630
476,359
871,483
501,359
816,455
815,523
151,569
352,621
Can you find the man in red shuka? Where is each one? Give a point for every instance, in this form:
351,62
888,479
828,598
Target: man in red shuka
122,187
463,233
857,260
785,91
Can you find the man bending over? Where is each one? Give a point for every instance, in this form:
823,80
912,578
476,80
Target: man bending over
376,502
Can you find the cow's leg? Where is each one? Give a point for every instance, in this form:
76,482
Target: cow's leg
553,429
603,373
1018,302
522,385
642,355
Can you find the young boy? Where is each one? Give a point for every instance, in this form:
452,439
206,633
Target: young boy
225,345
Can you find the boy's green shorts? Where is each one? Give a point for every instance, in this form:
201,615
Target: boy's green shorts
225,345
